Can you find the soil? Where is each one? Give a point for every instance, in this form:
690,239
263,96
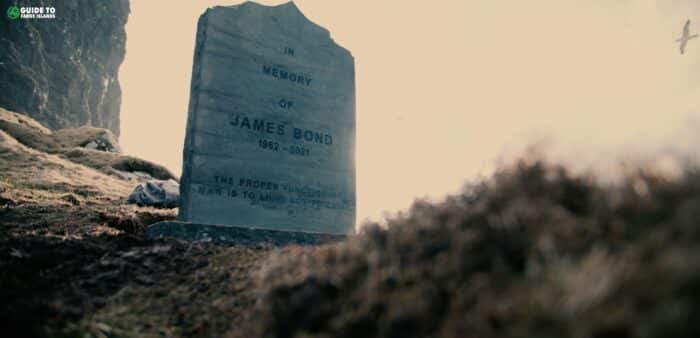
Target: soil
70,247
61,262
49,284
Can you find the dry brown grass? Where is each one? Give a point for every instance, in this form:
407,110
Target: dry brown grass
69,143
23,167
40,190
532,252
58,220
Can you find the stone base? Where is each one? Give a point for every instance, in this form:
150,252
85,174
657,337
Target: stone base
231,234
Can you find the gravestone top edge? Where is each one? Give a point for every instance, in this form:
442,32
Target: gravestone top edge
289,8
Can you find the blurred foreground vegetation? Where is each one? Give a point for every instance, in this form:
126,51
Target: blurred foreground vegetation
532,251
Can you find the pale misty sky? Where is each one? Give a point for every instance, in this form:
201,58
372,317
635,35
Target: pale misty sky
446,87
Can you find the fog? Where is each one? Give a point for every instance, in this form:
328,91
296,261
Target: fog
444,88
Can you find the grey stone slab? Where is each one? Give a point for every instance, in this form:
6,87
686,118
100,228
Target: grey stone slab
236,234
270,139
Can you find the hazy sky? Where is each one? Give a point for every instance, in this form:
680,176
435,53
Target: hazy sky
445,87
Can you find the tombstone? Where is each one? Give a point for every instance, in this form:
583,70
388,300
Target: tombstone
270,131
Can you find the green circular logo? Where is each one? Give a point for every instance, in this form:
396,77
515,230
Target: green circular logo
13,12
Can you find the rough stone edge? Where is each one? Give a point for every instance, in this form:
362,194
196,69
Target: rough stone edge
229,234
202,26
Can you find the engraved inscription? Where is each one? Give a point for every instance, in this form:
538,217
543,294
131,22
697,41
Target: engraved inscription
285,104
270,130
282,74
281,129
276,194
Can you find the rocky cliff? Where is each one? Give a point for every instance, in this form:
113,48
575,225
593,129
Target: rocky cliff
63,72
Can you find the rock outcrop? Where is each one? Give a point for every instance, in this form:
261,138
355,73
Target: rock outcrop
63,72
156,193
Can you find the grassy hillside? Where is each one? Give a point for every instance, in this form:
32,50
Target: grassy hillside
58,218
69,144
533,251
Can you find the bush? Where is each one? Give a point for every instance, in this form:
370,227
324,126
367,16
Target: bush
533,252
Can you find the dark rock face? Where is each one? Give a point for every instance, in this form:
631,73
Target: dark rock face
63,72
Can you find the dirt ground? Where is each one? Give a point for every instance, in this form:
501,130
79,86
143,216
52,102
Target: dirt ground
70,246
65,255
127,286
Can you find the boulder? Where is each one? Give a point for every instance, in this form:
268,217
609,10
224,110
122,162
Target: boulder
138,176
156,193
104,142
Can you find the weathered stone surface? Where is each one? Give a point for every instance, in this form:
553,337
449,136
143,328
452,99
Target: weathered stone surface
271,124
156,193
104,142
236,234
63,72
